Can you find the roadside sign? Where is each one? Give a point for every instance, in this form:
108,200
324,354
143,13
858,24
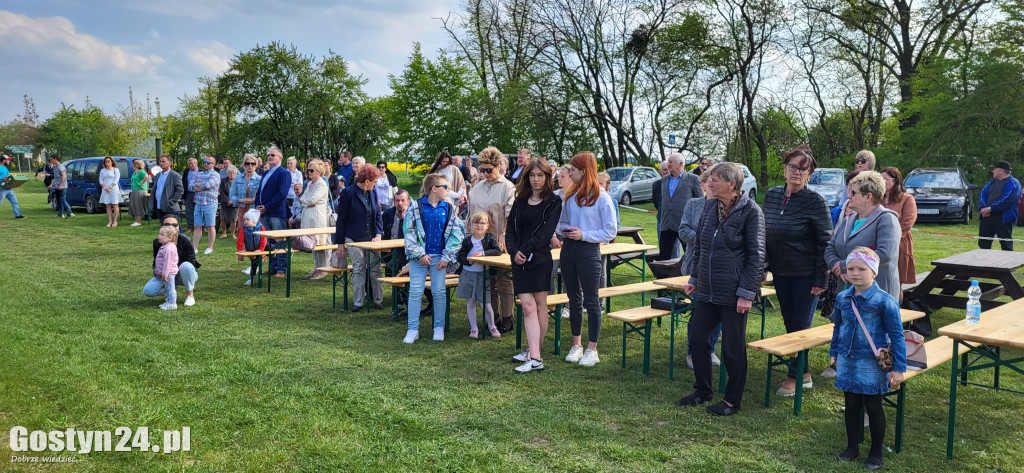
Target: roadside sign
20,148
671,140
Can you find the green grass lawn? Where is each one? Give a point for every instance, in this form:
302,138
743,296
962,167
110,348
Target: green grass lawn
273,384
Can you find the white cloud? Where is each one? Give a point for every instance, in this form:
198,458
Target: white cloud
56,38
214,56
366,67
155,34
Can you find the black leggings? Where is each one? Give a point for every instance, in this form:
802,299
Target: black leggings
872,403
581,273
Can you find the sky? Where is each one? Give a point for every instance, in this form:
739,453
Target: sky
62,51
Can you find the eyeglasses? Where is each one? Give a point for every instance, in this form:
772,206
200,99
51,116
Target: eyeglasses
485,170
861,161
382,166
442,185
797,169
169,225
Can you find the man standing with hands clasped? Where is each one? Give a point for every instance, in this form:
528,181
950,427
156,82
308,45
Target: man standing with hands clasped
997,207
270,201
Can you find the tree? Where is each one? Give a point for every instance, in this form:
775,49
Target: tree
72,133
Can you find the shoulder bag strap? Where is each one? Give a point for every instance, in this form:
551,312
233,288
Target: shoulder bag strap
863,327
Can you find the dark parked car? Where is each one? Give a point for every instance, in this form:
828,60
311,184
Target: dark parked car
830,183
83,180
942,194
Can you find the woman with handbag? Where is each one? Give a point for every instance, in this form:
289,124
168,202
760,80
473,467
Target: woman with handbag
866,318
243,192
314,202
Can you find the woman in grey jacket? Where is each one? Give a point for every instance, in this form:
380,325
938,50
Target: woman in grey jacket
729,250
870,225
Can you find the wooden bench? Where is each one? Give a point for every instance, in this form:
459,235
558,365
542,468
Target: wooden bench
333,246
939,350
638,321
783,347
338,274
911,286
256,263
556,301
451,281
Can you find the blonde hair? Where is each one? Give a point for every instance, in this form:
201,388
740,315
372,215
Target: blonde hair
490,155
138,164
170,232
317,165
429,181
482,215
869,181
868,155
865,250
604,179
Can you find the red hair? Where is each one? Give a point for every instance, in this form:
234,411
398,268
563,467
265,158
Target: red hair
367,173
587,190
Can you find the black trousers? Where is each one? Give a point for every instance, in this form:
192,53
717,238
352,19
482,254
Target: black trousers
667,241
993,226
581,273
705,319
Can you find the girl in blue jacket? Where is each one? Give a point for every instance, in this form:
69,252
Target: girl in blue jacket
857,372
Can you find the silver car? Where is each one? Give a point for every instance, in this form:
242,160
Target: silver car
749,182
830,183
632,184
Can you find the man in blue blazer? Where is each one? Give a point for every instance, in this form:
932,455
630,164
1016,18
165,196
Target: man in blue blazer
271,202
359,219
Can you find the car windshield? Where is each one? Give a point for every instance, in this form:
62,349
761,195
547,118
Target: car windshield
829,178
945,180
619,174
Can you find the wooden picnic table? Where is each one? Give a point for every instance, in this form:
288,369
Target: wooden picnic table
632,232
287,236
381,246
1001,327
954,273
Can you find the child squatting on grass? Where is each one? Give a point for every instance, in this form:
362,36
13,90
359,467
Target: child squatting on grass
472,281
861,311
166,265
249,241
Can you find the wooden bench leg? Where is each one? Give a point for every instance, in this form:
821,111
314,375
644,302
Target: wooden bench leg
625,330
768,382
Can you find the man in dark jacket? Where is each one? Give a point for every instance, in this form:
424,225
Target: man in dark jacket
189,196
393,230
271,201
997,208
676,188
166,190
188,266
730,255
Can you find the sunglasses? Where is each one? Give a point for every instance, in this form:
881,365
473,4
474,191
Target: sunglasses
861,161
169,225
442,185
310,170
207,162
382,166
486,170
250,164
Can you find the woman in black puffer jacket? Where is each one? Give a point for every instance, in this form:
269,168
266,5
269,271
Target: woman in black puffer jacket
729,251
798,227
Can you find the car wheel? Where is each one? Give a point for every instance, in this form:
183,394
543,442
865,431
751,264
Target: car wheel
91,206
626,199
965,219
752,194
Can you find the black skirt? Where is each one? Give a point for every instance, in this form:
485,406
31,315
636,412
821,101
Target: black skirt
535,276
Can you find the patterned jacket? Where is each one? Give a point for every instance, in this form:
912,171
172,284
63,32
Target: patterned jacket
415,235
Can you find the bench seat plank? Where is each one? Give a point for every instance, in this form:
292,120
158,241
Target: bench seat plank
791,343
638,314
939,351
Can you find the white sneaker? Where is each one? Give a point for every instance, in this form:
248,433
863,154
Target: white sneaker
589,358
208,251
190,301
689,362
167,306
714,360
248,282
245,271
135,224
439,334
829,373
522,357
530,365
565,312
411,336
575,353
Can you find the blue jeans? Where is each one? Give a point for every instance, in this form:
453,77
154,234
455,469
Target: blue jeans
797,306
186,276
162,287
9,195
417,281
62,201
278,263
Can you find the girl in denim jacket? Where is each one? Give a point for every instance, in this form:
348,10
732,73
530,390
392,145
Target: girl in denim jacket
857,372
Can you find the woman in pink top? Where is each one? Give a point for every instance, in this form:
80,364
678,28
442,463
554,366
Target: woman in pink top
166,265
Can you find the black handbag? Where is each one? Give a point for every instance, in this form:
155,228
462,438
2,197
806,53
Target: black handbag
665,303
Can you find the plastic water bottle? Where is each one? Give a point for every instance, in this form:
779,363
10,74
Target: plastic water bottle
973,303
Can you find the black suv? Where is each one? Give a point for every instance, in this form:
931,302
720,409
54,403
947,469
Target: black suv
942,194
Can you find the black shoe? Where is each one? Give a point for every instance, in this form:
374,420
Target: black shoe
873,463
722,409
19,216
692,399
357,308
378,305
848,455
506,325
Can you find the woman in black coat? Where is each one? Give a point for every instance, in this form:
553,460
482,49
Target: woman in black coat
729,251
798,227
531,224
